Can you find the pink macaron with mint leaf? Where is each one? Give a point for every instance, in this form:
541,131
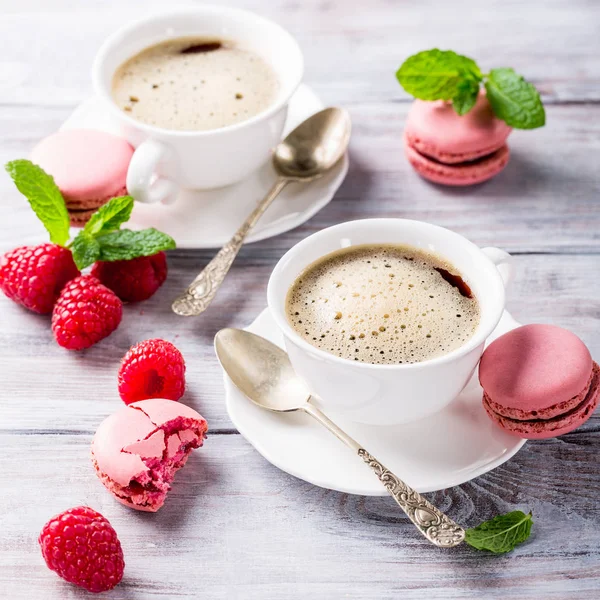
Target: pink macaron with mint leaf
450,149
456,130
539,381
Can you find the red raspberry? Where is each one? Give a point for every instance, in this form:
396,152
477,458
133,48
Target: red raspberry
83,548
34,275
152,369
85,313
133,280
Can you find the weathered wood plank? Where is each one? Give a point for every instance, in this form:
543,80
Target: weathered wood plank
352,48
236,527
48,388
547,199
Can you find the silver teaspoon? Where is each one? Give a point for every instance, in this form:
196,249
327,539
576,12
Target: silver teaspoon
306,154
264,374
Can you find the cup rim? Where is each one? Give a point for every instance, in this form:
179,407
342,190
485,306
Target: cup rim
479,337
201,9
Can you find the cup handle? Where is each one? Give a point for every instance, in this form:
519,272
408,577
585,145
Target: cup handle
503,261
142,182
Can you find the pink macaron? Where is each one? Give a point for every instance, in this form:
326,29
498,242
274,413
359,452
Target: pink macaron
137,450
539,381
88,166
450,149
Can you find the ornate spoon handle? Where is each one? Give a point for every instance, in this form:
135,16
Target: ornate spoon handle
437,527
200,293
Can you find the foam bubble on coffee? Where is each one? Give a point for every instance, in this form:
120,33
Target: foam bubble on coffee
383,304
194,84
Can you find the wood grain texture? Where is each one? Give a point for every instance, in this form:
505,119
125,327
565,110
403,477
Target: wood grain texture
234,526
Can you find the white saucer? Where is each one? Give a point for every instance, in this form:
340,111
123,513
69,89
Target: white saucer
447,449
207,219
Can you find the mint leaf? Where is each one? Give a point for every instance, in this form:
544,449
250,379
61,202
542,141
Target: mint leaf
85,249
110,216
466,96
125,244
436,74
43,196
500,534
514,100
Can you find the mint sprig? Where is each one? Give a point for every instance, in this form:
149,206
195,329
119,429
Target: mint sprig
101,238
501,534
436,74
43,196
445,75
514,100
110,216
125,244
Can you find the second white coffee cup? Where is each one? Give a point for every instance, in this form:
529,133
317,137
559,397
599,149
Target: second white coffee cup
391,394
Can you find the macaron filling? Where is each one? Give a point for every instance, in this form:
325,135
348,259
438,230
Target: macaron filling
163,451
558,423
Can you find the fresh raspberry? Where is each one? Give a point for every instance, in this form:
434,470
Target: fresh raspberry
34,275
85,313
83,548
133,280
152,369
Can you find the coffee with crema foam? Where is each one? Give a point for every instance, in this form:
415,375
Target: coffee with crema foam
194,84
383,304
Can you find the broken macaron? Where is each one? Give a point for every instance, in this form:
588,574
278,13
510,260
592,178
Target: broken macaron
137,450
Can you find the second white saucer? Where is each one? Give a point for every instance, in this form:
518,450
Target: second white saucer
208,219
449,448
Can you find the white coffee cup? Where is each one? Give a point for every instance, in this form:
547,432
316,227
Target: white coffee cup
391,394
166,160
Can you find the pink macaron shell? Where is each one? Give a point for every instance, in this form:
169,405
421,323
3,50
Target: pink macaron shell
537,429
436,130
160,411
535,371
457,174
119,430
88,166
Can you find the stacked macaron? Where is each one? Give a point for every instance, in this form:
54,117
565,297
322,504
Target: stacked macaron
539,381
88,166
451,149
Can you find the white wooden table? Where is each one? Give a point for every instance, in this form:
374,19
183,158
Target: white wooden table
234,526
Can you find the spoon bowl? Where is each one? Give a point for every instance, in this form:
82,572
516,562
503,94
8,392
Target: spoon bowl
315,146
268,378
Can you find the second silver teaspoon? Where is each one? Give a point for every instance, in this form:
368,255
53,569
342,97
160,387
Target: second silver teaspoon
307,153
263,373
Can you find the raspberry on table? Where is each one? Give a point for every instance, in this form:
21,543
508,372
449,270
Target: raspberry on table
85,313
133,280
152,369
33,276
83,548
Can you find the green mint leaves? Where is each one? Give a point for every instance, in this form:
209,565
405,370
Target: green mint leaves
125,244
43,196
110,216
514,100
436,74
501,534
444,75
101,238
